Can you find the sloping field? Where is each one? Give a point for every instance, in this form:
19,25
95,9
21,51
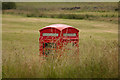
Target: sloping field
98,51
100,11
84,6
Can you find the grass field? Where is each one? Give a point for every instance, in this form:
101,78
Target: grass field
84,6
98,49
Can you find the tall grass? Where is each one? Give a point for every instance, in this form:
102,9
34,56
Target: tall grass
98,50
97,59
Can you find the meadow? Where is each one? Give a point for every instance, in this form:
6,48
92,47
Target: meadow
98,50
98,41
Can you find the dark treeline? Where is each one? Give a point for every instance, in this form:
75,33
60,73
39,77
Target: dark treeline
8,5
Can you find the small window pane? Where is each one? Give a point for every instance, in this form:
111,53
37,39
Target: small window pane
50,45
50,34
69,34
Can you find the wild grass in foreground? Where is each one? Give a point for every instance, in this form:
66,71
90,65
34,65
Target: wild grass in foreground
97,59
98,50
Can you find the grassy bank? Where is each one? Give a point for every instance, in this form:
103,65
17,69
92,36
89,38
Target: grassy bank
98,50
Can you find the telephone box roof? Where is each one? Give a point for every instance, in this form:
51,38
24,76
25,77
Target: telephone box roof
58,26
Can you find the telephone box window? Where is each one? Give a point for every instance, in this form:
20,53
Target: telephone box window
69,34
49,45
50,34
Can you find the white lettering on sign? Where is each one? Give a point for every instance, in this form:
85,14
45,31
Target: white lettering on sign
69,34
50,34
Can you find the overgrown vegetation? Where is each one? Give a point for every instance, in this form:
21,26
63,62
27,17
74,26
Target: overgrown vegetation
97,61
98,50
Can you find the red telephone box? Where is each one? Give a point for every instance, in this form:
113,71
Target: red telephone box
55,36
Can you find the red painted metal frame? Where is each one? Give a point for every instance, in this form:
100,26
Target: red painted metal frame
60,39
